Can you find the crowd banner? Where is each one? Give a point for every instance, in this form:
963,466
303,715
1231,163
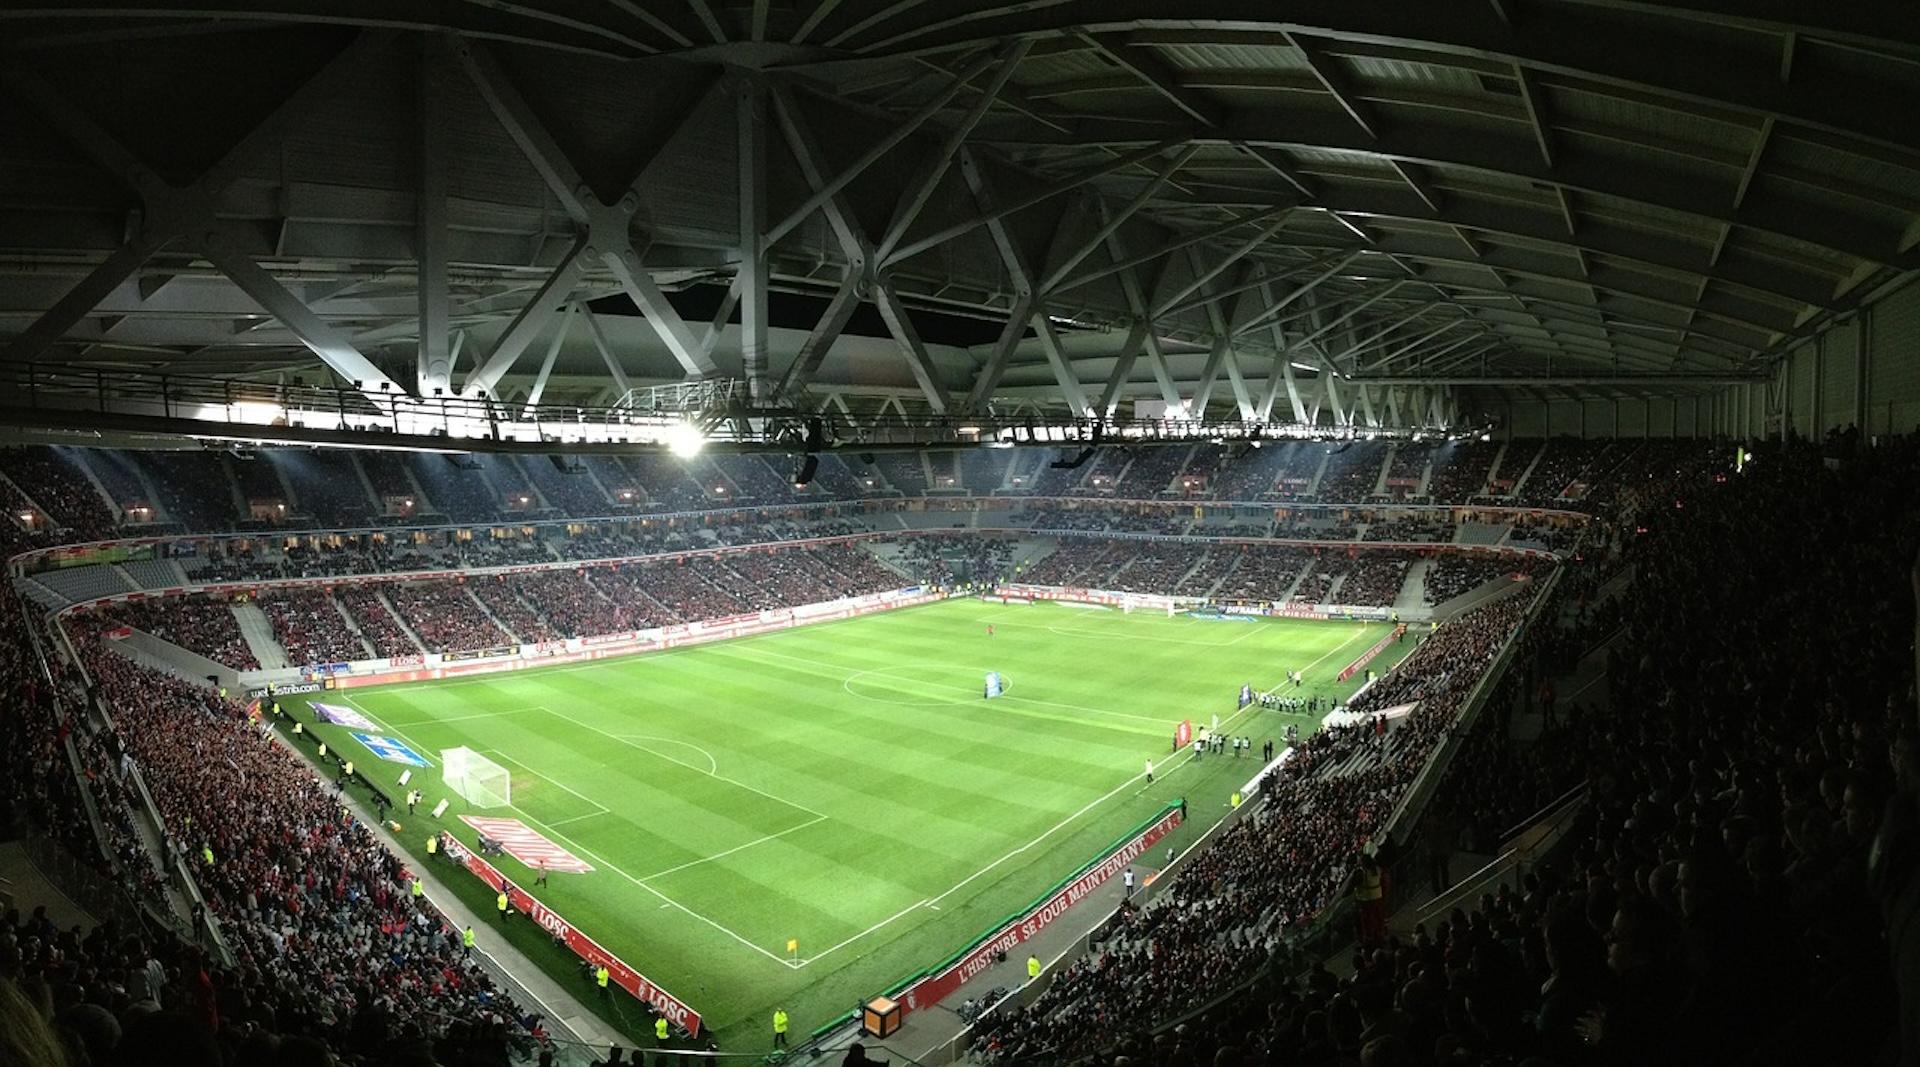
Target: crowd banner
930,988
619,973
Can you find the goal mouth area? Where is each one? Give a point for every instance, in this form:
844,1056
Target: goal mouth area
479,781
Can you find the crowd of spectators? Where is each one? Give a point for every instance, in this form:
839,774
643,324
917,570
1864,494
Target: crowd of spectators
1374,580
1235,904
1565,463
1450,575
1158,566
1353,470
1314,588
444,616
121,480
327,490
571,604
197,623
1721,896
1434,528
327,941
944,559
1460,470
457,485
501,596
60,489
375,621
1408,464
308,625
984,470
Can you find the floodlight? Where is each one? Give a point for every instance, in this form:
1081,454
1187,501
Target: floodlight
685,440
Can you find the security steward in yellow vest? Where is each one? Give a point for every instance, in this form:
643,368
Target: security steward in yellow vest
779,1028
500,904
660,1029
600,977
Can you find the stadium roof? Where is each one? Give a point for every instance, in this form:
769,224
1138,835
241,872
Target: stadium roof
1066,206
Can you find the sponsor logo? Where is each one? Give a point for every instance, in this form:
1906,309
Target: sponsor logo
343,716
934,988
527,845
391,750
618,972
287,689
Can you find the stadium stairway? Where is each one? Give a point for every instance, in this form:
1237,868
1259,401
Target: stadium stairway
1520,483
258,633
1386,468
1319,472
1413,591
1493,469
25,886
401,621
488,612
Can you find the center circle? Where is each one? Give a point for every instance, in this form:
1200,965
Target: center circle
921,686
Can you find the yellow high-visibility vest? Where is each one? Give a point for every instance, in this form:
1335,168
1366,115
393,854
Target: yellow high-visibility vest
1368,887
500,902
779,1021
433,844
1033,966
419,887
660,1028
467,937
600,976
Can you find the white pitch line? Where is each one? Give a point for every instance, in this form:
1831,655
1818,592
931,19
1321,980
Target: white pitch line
468,718
684,763
845,675
737,848
713,765
1049,832
582,850
547,778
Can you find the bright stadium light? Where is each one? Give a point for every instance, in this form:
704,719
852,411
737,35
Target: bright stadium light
685,440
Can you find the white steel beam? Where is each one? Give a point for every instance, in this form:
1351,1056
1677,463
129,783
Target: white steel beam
915,198
621,383
900,325
1142,312
832,187
813,351
607,228
546,365
750,112
332,346
433,366
1046,192
1274,308
1115,219
527,324
1200,237
1204,277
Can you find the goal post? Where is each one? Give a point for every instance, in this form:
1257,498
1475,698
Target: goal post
476,779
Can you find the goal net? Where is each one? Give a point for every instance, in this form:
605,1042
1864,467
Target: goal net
477,779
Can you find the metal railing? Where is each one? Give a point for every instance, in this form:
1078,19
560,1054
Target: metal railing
67,397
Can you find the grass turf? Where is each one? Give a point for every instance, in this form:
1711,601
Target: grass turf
842,784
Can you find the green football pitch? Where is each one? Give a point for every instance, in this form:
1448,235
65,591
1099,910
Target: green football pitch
843,785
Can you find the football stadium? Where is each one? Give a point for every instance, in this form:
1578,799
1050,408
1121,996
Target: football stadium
949,532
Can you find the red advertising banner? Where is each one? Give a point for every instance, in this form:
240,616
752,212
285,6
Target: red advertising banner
934,988
585,947
1368,656
1183,733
